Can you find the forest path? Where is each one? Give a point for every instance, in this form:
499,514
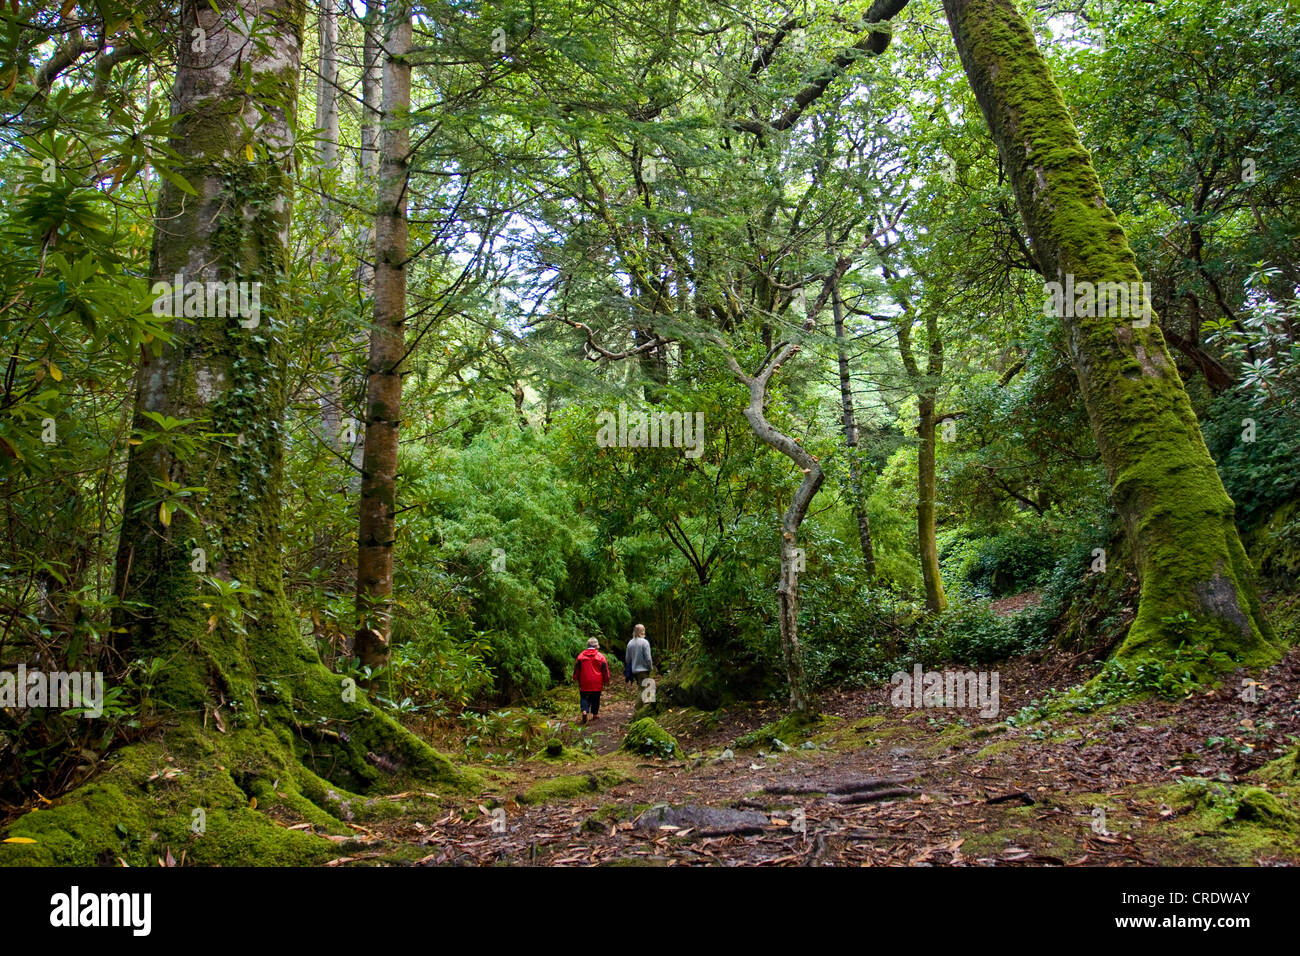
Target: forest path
874,784
616,706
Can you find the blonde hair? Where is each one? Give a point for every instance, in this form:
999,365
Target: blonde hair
638,630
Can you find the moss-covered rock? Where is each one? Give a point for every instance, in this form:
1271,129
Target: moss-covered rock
556,751
647,738
571,785
787,730
1257,805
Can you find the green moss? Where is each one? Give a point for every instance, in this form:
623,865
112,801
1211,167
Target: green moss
789,730
647,738
997,747
1284,770
1237,825
152,800
951,736
245,788
561,753
1257,805
990,845
571,785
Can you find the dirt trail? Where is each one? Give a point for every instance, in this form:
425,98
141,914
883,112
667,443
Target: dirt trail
873,784
616,706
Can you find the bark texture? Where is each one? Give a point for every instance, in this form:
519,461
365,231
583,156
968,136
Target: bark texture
858,499
378,525
926,386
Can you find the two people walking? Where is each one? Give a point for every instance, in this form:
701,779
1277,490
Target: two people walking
591,670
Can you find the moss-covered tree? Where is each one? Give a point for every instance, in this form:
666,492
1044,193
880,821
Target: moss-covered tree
249,720
1196,578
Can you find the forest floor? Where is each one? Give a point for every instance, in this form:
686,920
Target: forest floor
1155,782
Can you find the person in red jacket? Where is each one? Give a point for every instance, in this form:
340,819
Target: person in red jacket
591,671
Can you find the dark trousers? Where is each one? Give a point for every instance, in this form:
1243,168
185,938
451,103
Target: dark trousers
589,701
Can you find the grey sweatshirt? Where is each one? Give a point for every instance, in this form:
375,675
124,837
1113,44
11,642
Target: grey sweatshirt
637,656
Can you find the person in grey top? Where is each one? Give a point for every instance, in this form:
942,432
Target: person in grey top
637,655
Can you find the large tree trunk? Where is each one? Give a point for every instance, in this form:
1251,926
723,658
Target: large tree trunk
858,500
246,703
387,351
1177,516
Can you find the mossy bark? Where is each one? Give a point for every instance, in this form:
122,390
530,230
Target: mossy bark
250,718
926,386
1164,484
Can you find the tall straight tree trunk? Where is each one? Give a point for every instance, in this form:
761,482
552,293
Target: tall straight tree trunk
926,387
1176,514
851,437
327,158
243,701
927,490
387,350
367,172
368,167
327,88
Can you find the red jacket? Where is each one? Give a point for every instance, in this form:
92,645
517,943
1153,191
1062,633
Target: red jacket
591,670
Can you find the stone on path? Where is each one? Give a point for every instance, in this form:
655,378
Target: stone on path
704,821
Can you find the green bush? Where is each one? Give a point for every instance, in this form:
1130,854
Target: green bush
969,632
1260,476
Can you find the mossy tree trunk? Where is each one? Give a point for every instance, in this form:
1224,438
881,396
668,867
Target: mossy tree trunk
926,386
387,353
927,490
246,709
219,369
1164,485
